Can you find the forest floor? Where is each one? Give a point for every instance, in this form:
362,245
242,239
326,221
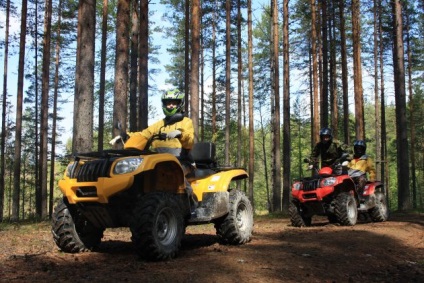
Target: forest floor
391,251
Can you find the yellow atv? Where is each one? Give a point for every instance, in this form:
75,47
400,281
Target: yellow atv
146,191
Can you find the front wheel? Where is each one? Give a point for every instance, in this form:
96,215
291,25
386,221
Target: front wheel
158,226
380,212
297,218
346,209
72,232
236,227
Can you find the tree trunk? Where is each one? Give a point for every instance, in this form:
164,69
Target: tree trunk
400,99
19,101
324,50
286,110
84,79
143,72
276,169
3,112
411,115
42,213
333,73
251,102
121,67
357,71
315,102
55,98
213,74
186,54
227,81
133,65
194,74
384,161
376,91
239,90
102,76
345,86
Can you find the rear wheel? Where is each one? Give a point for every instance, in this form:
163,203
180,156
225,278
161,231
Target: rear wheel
346,209
158,226
72,232
380,212
297,218
236,227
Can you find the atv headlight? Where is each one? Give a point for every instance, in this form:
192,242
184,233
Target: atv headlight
328,182
297,186
127,165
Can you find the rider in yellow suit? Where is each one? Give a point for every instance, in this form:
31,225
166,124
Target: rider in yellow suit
362,162
179,135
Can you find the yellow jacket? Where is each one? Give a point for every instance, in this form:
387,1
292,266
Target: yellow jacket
139,139
365,164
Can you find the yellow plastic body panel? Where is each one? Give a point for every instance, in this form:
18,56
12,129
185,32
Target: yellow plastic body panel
218,182
163,172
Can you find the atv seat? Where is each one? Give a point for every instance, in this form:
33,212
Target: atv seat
203,154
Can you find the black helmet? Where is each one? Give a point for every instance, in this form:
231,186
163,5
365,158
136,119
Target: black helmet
359,148
325,132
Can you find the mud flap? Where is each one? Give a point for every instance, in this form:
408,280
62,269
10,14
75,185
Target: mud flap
213,205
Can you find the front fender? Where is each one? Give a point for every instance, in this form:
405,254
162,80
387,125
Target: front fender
372,187
219,182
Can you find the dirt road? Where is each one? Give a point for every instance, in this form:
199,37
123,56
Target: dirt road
391,251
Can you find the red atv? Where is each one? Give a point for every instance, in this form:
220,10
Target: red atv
332,192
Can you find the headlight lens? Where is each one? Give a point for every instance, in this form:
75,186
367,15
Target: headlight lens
328,182
297,186
127,165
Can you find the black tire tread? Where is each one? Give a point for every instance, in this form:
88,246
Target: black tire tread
227,228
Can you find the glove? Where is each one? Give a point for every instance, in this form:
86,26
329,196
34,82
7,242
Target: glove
173,134
114,140
310,167
345,163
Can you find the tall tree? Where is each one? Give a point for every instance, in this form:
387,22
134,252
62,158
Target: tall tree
84,78
239,90
3,112
227,79
315,102
324,73
19,102
334,106
102,75
121,65
55,100
286,109
376,90
42,209
345,87
404,202
357,71
411,111
251,102
214,63
194,74
186,54
134,45
143,72
275,110
384,163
